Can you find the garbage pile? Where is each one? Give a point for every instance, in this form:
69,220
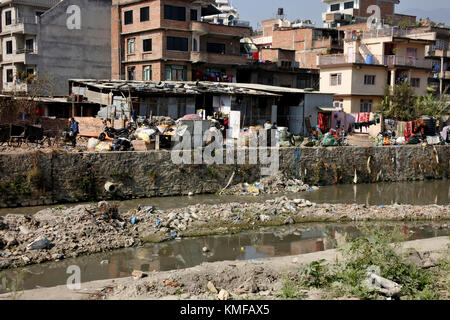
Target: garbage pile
57,233
422,131
274,184
333,138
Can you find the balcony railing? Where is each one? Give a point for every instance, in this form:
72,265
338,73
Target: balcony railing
416,33
25,19
24,50
408,62
391,61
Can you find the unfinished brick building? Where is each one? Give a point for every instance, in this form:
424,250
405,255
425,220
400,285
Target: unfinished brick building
166,40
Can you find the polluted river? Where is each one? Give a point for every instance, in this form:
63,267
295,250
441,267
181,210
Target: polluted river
251,245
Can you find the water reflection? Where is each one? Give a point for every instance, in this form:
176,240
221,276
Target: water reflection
266,242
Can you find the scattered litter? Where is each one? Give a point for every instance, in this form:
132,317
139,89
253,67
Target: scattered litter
173,284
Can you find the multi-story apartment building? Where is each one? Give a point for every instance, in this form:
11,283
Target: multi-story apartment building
307,42
56,40
167,40
373,60
345,12
439,53
227,14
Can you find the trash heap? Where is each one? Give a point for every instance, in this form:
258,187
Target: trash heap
57,233
274,184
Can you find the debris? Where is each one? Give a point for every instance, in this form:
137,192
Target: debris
137,274
205,249
40,243
223,295
104,262
264,218
212,288
173,284
289,220
134,220
383,285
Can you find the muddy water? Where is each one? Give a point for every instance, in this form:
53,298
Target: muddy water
254,245
417,193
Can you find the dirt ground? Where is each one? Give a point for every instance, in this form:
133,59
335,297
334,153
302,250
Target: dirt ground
254,280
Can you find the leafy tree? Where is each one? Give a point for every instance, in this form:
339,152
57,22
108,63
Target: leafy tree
401,104
430,105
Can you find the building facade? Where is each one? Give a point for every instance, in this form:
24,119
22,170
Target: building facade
307,42
167,40
372,61
344,12
439,53
55,41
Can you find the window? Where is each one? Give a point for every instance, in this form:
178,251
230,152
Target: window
348,5
336,79
286,64
335,7
30,71
131,73
215,48
29,45
366,105
369,80
39,13
128,17
175,73
131,45
9,75
147,73
8,18
194,15
174,13
9,47
145,14
338,103
415,82
147,45
176,43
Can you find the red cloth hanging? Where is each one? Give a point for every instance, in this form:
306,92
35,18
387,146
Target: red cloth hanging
323,122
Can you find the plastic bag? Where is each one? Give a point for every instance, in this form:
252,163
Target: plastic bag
103,147
329,141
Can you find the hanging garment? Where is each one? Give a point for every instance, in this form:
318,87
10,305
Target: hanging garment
323,122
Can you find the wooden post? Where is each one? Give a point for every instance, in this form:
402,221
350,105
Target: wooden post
157,142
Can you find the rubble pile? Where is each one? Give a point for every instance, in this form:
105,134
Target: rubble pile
56,233
274,184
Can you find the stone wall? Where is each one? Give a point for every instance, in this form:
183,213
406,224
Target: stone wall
49,178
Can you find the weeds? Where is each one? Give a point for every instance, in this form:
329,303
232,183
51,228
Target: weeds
290,289
12,285
373,249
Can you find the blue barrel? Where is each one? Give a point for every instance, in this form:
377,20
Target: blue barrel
369,60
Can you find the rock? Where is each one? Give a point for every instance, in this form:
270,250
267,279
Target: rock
264,218
137,274
40,243
205,249
10,240
223,295
57,256
212,288
24,230
4,264
190,194
289,220
25,259
264,293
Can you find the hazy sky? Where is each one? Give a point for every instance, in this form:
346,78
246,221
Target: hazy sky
258,10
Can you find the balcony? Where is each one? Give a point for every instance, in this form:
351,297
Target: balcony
338,16
214,58
396,61
23,25
219,29
389,61
414,33
438,53
24,56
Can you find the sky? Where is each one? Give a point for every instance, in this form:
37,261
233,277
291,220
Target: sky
257,10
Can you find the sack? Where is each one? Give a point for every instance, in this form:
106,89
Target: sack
92,143
103,147
329,141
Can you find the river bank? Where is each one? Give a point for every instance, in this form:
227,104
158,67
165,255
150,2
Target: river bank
257,279
38,178
58,233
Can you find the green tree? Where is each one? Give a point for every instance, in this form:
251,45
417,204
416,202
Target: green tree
401,104
433,106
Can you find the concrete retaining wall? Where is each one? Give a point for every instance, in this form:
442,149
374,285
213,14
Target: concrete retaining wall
49,178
